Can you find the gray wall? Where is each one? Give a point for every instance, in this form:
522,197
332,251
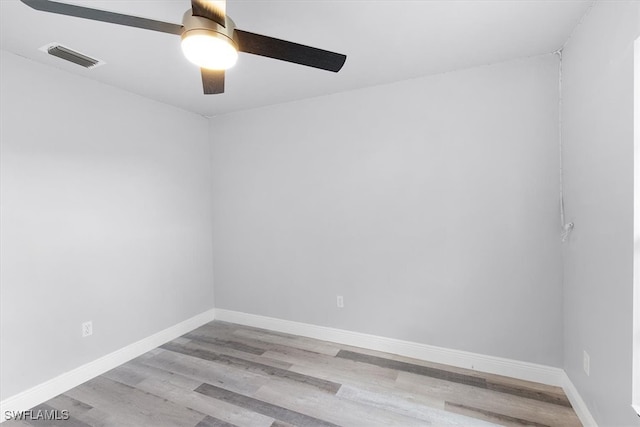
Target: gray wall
106,216
598,176
430,204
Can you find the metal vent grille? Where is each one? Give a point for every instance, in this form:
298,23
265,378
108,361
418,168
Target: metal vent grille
71,55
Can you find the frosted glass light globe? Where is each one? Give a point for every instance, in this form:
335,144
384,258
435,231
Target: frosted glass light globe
209,50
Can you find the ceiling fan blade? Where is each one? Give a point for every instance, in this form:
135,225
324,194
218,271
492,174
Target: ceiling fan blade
212,81
216,10
288,51
104,16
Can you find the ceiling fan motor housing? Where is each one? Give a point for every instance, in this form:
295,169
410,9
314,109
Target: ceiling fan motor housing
198,25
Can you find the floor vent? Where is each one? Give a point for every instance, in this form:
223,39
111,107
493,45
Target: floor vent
71,55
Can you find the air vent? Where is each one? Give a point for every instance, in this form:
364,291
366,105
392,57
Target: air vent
71,55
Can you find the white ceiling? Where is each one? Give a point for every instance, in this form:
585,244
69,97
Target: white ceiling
384,40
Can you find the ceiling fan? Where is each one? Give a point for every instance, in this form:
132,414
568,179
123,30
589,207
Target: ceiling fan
209,38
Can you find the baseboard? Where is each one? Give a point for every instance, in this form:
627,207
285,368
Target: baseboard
49,389
578,404
461,359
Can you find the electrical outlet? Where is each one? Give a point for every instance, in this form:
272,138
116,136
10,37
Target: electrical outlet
586,361
87,329
340,301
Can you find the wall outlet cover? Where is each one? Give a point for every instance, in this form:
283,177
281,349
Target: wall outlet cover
586,362
87,329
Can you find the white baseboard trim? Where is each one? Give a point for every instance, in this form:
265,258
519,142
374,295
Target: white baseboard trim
55,386
578,404
461,359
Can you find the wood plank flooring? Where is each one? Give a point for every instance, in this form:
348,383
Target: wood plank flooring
225,375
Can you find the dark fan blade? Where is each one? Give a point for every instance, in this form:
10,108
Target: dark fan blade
289,51
103,15
212,81
210,9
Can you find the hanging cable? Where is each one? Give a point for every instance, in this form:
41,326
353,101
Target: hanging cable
566,228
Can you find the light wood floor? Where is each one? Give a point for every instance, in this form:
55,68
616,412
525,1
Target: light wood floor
229,375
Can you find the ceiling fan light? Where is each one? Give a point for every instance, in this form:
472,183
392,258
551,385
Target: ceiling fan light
208,49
